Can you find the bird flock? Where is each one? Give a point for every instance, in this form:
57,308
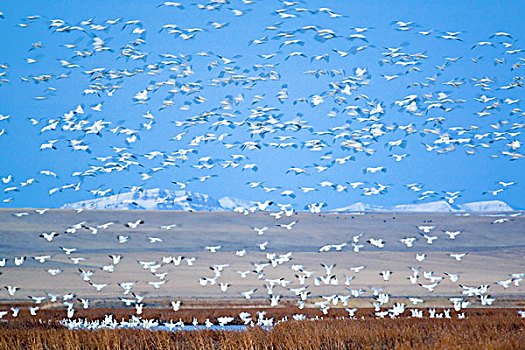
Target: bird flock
311,106
325,102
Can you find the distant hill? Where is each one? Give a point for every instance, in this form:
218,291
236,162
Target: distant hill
435,207
159,199
486,206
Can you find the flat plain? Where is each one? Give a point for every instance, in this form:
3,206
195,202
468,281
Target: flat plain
495,244
495,250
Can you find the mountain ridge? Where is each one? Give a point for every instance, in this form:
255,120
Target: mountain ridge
159,199
435,206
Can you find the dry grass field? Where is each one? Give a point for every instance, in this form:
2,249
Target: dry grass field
489,259
482,329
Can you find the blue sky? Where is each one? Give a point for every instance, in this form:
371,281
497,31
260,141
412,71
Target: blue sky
22,158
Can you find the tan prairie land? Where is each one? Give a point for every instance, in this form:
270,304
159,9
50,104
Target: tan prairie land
495,250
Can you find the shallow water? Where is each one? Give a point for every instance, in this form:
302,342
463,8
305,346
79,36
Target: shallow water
236,328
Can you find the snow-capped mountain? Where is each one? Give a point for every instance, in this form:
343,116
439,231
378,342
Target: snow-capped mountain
360,206
158,199
435,207
490,206
230,203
